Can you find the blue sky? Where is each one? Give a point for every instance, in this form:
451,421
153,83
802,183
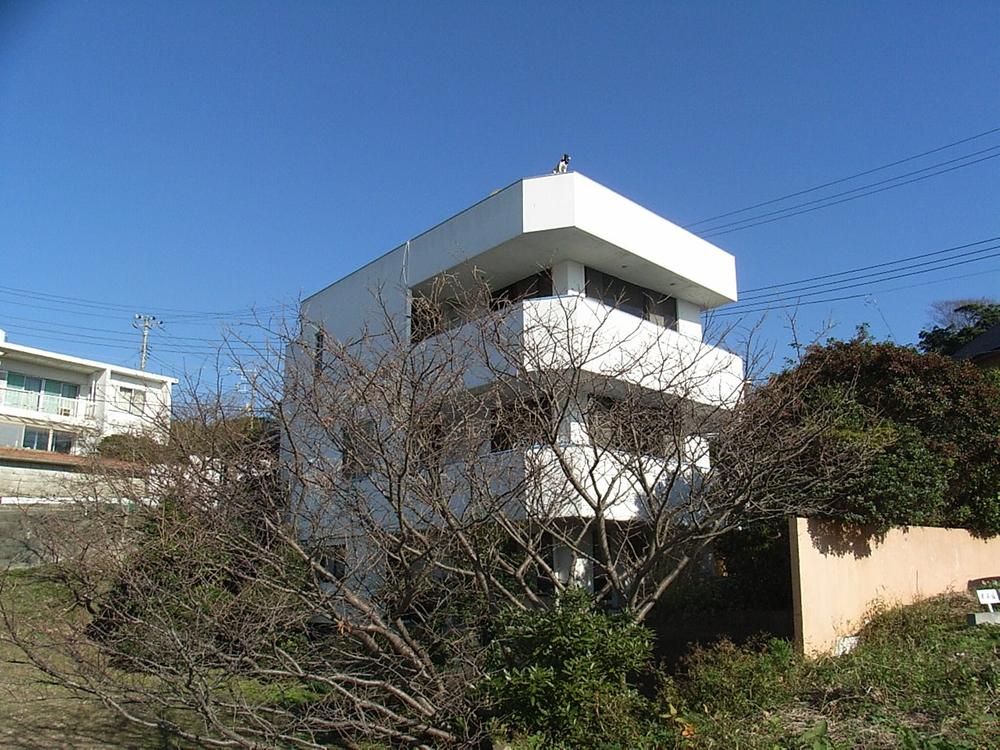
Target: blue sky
189,157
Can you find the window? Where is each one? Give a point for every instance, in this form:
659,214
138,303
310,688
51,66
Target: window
631,427
132,400
430,316
425,318
539,285
10,435
318,353
356,447
632,298
21,382
35,439
334,560
523,422
21,390
62,442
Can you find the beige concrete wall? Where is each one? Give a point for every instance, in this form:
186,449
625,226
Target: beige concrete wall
39,482
839,572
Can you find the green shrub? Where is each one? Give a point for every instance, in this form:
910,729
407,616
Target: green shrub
739,680
918,679
565,677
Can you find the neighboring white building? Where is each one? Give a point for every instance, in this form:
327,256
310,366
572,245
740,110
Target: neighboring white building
56,408
574,254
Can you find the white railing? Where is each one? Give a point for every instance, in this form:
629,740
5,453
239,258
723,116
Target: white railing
46,403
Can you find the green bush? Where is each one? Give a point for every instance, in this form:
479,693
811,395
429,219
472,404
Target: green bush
565,677
933,425
739,680
918,679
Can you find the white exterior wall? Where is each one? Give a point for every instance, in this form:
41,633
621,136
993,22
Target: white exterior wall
97,411
565,223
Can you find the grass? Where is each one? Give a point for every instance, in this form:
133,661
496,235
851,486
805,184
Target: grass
37,715
919,679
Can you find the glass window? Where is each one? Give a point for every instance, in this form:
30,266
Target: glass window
21,382
131,400
62,442
318,356
10,435
632,298
35,439
539,285
334,560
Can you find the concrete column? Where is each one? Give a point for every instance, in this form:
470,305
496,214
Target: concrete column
573,569
573,427
568,277
688,319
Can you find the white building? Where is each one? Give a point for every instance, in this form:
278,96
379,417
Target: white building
576,257
55,408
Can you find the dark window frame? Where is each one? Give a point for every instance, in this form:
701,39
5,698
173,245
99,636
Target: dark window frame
657,308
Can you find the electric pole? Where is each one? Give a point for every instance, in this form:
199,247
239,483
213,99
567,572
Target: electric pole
145,323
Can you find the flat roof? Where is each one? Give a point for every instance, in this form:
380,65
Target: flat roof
541,220
42,356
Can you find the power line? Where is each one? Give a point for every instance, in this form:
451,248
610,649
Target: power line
112,316
119,336
729,313
764,306
876,265
713,233
858,189
844,179
832,285
877,281
96,304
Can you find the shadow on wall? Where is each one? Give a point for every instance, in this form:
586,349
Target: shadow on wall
833,538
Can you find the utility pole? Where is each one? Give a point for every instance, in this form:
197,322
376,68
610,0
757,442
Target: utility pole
247,384
145,323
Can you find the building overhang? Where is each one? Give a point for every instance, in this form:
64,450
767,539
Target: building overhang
543,220
41,357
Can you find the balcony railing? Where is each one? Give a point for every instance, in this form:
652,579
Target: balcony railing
46,403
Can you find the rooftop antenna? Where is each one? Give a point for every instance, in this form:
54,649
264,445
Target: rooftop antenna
145,323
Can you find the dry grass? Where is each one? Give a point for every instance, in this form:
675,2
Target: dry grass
37,715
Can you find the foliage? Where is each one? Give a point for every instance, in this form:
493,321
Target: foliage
566,676
341,587
971,320
918,679
130,447
933,423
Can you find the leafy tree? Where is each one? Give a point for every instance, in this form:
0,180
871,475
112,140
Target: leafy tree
934,424
967,321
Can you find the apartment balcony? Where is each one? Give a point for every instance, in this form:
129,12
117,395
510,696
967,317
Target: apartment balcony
576,332
45,406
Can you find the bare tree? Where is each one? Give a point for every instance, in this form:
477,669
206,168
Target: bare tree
957,313
487,454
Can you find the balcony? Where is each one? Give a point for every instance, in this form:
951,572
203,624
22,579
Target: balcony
46,403
576,332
